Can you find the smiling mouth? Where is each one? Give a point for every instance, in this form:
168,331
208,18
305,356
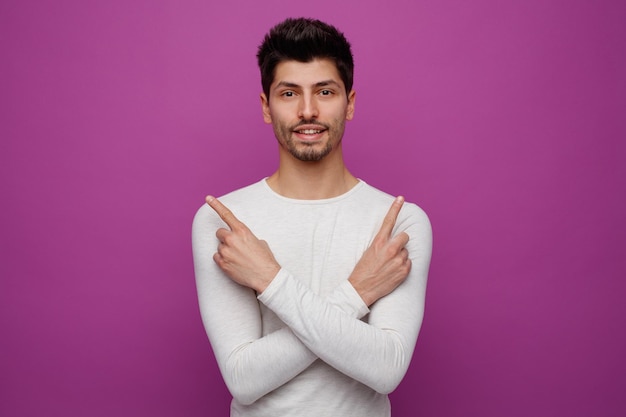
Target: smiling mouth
309,131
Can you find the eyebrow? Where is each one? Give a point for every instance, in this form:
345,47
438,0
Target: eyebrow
317,84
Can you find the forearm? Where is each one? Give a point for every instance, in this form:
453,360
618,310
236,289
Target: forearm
252,364
263,365
376,353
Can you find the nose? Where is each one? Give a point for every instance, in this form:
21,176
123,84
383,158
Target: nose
308,107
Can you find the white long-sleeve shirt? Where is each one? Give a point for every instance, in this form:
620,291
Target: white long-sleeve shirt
308,345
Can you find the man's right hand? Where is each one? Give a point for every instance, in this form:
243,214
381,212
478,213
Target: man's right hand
246,259
385,264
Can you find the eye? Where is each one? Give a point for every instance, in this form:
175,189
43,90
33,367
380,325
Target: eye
326,92
288,94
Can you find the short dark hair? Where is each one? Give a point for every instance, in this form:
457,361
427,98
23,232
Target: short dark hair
303,40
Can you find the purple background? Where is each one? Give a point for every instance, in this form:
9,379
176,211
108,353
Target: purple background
505,121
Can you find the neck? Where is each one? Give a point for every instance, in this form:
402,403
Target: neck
312,180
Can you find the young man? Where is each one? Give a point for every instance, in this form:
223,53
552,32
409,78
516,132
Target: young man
321,317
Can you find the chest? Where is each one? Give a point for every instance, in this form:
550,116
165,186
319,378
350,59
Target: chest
319,245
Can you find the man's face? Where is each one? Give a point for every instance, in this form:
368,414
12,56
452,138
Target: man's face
308,108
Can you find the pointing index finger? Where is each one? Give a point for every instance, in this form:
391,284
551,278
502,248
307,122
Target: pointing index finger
223,211
390,218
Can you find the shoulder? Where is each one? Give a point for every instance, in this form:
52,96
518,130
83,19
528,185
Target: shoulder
382,200
411,216
235,200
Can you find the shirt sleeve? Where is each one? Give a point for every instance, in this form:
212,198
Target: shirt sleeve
251,364
378,352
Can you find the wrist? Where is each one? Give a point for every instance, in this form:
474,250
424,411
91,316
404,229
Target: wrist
266,278
362,291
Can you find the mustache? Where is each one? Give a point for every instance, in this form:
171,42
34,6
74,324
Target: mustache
304,122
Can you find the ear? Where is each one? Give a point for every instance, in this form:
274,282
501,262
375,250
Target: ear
350,108
265,108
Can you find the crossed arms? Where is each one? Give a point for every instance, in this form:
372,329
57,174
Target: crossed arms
328,328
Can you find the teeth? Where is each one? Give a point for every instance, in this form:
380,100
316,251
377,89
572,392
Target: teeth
310,131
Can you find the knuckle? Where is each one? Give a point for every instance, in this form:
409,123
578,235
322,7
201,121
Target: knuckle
217,258
391,251
225,252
